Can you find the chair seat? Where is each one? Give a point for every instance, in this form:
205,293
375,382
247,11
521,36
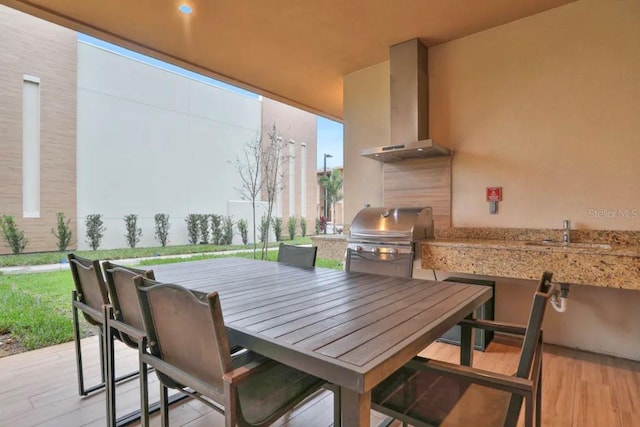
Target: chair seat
442,400
274,387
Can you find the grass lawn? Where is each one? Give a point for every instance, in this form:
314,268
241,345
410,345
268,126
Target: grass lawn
55,257
271,256
35,309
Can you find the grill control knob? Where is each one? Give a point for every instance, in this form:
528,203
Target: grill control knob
359,248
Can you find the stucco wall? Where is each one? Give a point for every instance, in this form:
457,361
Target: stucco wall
152,141
366,124
545,107
32,46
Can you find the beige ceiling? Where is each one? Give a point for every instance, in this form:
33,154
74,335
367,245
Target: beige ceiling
296,51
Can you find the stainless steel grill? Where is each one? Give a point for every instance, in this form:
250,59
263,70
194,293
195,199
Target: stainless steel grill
383,240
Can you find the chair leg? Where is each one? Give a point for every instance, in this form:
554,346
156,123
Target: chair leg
110,367
528,411
337,412
144,387
76,338
539,398
103,367
164,406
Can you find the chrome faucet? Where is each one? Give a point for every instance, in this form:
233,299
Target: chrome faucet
566,231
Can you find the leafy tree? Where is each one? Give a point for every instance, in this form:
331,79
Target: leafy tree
243,228
333,186
216,229
277,228
193,228
14,237
63,232
291,226
133,231
303,226
264,228
227,230
203,220
95,230
162,228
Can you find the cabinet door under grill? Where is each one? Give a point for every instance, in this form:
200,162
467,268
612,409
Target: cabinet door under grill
386,264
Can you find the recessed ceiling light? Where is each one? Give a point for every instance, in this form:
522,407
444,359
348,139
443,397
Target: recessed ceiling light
186,9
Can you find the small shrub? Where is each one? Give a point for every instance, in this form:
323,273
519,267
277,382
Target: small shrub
12,235
317,225
95,230
243,228
63,232
227,230
291,225
133,232
193,228
216,229
203,220
277,228
162,228
264,229
303,226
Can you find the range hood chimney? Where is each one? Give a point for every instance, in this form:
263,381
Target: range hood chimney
409,106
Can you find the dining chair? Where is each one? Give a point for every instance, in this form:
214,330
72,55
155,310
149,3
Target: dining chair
122,320
382,264
301,256
89,297
305,256
189,349
433,393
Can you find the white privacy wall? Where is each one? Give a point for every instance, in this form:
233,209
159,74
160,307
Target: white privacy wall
152,141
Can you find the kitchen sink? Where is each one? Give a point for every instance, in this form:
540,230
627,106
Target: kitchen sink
577,245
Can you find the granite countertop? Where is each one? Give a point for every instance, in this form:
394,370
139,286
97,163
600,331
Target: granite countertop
540,246
597,258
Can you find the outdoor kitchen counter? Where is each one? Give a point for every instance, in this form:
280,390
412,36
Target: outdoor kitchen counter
608,265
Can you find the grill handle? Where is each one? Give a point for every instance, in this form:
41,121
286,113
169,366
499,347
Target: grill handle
378,255
379,235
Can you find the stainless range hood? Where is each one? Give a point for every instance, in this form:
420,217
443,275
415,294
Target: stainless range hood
415,150
409,107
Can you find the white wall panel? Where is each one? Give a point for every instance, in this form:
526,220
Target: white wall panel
152,141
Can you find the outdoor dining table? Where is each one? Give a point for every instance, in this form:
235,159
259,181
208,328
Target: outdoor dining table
350,329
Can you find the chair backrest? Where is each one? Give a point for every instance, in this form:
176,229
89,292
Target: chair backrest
185,331
383,264
530,343
534,326
301,256
124,298
90,286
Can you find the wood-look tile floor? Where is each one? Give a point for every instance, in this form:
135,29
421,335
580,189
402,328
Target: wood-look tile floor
579,389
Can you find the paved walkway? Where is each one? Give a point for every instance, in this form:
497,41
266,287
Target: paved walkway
129,261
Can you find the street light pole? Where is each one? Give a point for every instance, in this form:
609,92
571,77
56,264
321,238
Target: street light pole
324,173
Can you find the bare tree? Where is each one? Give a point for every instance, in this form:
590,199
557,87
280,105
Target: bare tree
273,161
249,166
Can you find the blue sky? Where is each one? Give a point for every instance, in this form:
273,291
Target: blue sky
329,132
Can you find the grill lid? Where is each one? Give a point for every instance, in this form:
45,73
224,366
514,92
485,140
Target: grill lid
403,225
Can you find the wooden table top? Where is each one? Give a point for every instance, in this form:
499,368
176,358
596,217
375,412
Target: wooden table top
351,329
